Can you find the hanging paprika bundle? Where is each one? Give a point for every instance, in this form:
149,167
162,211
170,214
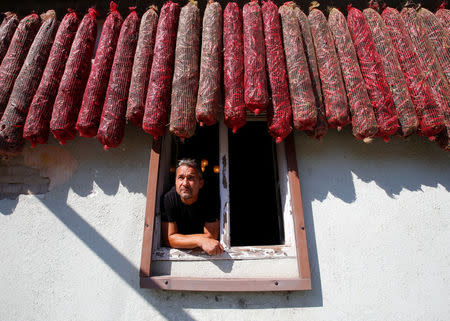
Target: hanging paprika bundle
444,16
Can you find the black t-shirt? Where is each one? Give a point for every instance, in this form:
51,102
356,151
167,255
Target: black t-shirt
190,219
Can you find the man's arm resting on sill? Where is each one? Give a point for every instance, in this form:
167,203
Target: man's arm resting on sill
207,241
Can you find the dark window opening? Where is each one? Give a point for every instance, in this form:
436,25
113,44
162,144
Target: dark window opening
255,207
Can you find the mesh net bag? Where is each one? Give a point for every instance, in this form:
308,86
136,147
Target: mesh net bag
208,99
73,82
419,89
7,29
321,127
430,66
364,123
402,100
256,96
112,124
15,56
160,84
37,124
439,39
330,72
280,111
94,94
303,102
233,66
13,120
186,72
444,16
141,67
373,73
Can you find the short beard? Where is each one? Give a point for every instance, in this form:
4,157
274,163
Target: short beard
186,195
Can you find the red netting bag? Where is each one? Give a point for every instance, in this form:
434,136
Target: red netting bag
444,16
73,82
9,25
160,84
141,67
402,100
112,124
439,39
37,125
15,56
256,96
186,72
233,67
336,106
303,102
364,123
11,124
373,73
419,89
280,111
94,94
208,99
321,127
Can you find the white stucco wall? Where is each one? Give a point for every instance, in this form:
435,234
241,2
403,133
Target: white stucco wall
377,218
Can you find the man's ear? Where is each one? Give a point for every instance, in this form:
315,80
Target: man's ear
202,181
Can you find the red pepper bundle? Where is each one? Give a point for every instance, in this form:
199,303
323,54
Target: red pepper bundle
15,56
426,106
444,16
73,82
233,66
37,125
373,73
330,72
94,94
186,72
303,102
402,100
13,120
256,96
280,111
321,127
208,100
438,37
159,87
141,67
9,25
112,124
364,123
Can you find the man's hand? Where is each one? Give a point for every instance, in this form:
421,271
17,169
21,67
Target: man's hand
210,246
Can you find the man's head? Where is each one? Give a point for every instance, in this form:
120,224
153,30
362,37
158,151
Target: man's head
188,180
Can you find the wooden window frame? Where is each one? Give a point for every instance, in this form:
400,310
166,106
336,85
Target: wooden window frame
167,282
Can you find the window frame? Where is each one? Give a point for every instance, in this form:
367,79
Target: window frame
167,282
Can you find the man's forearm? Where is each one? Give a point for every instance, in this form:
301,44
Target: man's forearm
187,241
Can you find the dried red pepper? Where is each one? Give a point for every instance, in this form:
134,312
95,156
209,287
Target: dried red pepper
15,56
13,120
336,106
7,29
73,82
303,102
444,16
94,94
373,73
186,72
364,123
158,94
256,96
37,125
280,111
233,66
405,108
321,127
421,95
142,66
112,124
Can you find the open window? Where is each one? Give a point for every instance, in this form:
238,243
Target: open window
261,217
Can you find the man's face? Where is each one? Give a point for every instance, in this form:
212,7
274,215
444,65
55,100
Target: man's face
188,183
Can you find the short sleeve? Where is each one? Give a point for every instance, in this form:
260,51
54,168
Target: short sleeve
168,210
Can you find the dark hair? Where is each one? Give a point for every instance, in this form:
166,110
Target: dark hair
191,162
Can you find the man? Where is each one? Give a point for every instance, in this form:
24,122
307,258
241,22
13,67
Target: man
190,217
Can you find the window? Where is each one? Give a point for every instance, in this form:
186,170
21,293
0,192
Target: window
273,256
